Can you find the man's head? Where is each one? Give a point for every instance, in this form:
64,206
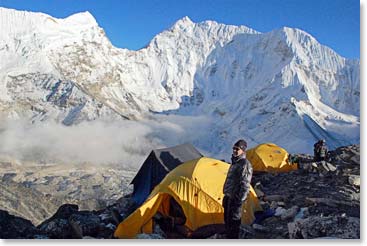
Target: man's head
239,147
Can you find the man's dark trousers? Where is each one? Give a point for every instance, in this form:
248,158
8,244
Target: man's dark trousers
232,217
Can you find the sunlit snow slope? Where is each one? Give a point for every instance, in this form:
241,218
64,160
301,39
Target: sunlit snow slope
282,86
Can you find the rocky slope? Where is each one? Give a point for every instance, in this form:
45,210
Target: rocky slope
36,191
319,200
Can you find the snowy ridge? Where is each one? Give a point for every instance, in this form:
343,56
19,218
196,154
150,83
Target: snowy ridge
15,24
268,90
282,86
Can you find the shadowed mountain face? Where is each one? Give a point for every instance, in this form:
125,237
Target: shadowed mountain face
282,86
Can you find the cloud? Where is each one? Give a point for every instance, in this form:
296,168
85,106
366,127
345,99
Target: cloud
121,142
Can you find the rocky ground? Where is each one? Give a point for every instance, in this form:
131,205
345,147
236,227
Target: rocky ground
35,191
320,200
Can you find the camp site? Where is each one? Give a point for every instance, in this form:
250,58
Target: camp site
183,120
196,187
177,194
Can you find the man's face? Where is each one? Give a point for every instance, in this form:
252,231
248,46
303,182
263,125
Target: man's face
237,151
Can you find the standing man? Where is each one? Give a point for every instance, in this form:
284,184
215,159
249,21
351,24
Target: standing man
320,150
323,150
236,188
316,147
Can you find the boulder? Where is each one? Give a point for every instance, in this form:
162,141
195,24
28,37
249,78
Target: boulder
276,198
63,212
106,231
57,226
279,211
125,206
354,180
57,229
85,224
331,226
158,230
326,167
70,223
246,232
13,227
303,212
260,228
290,213
346,155
258,190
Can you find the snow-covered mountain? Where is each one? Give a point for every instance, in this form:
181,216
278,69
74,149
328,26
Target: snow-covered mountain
282,86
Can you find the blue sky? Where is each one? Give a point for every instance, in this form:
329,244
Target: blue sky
133,23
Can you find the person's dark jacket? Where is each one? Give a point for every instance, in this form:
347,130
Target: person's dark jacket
316,149
323,150
320,151
237,184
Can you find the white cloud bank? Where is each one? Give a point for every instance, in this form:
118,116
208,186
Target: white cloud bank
120,142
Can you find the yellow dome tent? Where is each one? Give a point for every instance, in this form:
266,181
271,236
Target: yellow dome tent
269,157
197,186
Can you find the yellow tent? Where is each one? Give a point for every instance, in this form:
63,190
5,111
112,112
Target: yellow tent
269,157
197,186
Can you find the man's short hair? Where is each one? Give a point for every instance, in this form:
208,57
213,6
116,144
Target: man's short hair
242,144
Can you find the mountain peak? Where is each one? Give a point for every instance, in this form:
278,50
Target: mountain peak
16,22
183,23
297,34
83,18
309,50
185,20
